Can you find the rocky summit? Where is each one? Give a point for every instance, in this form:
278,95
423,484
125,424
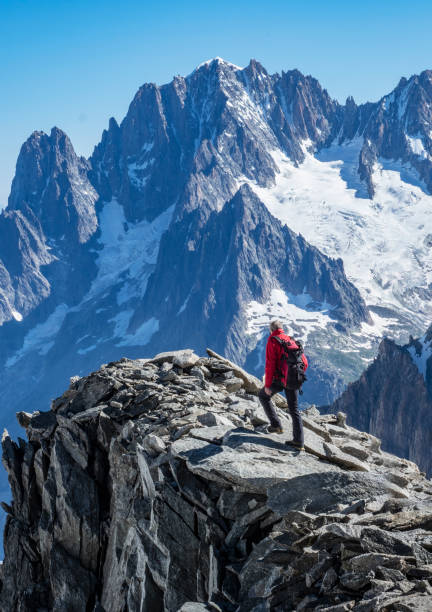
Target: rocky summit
152,485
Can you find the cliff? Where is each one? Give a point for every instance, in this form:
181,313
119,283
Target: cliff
392,400
152,485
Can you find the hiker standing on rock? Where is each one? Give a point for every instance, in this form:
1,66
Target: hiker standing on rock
284,369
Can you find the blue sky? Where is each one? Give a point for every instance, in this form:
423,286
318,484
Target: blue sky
75,63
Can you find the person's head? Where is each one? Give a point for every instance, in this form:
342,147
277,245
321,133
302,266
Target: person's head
275,324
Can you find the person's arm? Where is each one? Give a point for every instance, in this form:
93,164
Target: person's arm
305,361
270,365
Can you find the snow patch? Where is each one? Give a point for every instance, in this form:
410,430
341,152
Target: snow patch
218,60
420,359
129,252
127,257
17,315
88,349
137,174
183,306
417,147
142,335
299,310
40,338
222,268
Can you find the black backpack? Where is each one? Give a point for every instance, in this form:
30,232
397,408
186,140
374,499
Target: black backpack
296,374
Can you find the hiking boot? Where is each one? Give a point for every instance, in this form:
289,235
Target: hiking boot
297,445
277,430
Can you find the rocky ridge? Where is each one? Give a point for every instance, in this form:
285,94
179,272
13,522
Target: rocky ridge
393,396
50,218
153,485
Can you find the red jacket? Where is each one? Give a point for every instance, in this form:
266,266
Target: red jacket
273,357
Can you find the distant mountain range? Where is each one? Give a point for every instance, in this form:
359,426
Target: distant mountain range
222,199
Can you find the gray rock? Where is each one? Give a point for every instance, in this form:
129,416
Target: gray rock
233,384
341,458
246,460
183,359
356,580
372,560
143,507
193,606
213,434
154,444
212,419
358,451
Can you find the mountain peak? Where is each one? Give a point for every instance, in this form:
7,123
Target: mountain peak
40,139
216,61
52,180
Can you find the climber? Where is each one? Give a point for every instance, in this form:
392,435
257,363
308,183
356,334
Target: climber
277,378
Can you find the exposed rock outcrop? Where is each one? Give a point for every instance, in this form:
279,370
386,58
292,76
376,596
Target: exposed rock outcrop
50,216
152,485
393,399
397,127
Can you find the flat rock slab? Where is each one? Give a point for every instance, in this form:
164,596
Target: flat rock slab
321,491
213,434
249,461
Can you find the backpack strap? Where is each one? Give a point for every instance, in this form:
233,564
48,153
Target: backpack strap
285,345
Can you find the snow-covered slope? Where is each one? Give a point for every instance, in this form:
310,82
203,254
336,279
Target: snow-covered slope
384,241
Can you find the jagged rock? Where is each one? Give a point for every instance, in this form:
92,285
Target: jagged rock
154,444
356,580
234,384
380,396
24,418
335,455
124,499
343,607
372,560
351,448
251,383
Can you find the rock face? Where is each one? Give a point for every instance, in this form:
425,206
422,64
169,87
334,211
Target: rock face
393,399
152,485
50,216
397,127
249,252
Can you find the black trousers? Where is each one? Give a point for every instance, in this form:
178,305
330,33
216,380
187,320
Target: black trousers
292,401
